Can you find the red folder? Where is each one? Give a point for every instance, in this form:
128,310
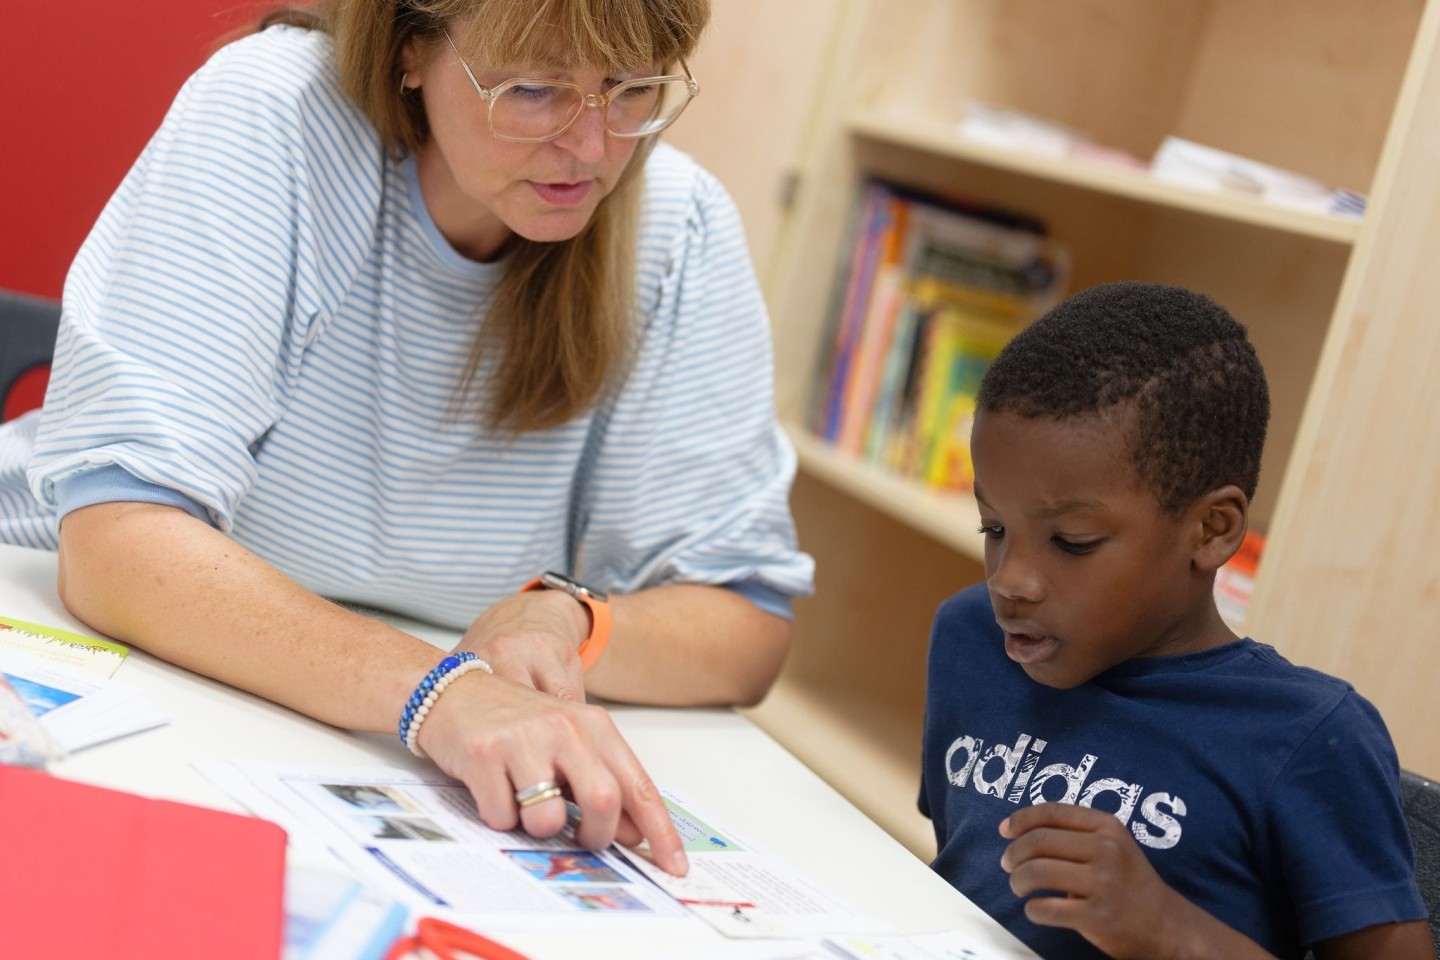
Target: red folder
87,872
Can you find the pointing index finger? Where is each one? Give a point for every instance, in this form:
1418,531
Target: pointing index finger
648,811
640,799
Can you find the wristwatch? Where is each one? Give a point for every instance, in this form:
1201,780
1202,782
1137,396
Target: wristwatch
595,600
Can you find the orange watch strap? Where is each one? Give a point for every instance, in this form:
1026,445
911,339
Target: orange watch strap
593,646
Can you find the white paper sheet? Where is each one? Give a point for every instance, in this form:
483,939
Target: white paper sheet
418,838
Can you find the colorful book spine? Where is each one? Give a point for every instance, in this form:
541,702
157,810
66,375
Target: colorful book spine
862,266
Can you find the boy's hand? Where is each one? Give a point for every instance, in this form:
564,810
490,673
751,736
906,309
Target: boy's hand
1109,892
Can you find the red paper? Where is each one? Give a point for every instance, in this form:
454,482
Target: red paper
88,872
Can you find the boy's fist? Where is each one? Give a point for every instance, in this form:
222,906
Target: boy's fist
1107,890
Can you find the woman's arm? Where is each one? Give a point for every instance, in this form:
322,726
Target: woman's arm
168,583
686,643
675,645
172,585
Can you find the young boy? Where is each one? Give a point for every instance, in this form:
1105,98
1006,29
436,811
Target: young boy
1110,770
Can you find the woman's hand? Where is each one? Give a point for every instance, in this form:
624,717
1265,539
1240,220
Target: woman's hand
500,737
534,639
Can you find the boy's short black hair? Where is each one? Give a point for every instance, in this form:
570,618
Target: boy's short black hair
1178,356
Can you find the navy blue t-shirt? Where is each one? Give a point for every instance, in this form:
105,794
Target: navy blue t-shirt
1265,793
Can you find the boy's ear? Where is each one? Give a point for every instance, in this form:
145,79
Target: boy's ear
1221,518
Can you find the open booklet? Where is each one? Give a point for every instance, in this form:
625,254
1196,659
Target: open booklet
417,836
101,657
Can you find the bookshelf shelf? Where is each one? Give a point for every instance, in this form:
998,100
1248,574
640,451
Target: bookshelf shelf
940,139
950,518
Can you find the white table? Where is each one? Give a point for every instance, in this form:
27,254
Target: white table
715,756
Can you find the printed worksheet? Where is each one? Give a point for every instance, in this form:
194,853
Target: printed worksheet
419,838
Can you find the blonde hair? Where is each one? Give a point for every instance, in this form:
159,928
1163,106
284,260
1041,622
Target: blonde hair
562,316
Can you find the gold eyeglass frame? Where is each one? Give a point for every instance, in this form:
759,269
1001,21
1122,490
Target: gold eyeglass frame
600,101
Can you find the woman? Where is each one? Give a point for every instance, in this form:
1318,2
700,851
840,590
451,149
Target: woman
402,307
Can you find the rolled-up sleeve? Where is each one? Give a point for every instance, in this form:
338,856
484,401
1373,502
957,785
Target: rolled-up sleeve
189,308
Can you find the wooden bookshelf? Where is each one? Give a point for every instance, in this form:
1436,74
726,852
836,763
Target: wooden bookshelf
1314,87
949,517
940,139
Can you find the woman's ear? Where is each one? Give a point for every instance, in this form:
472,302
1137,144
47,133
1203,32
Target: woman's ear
410,63
1221,518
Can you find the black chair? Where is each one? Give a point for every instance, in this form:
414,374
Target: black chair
1421,799
27,344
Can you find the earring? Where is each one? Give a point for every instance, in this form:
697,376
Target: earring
403,77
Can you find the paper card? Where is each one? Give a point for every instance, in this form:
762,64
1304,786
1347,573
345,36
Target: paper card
742,891
77,709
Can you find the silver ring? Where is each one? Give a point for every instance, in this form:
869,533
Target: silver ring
529,794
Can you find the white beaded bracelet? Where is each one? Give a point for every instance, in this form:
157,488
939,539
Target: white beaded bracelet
412,732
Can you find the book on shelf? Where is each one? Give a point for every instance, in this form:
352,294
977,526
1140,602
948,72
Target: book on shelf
930,290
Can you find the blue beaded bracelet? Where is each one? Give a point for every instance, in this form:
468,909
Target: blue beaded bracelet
429,689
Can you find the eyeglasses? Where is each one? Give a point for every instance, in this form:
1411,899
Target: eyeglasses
528,110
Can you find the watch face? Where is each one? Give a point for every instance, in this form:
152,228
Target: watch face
558,581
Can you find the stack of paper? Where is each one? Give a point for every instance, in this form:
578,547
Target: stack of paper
1190,164
1013,130
75,708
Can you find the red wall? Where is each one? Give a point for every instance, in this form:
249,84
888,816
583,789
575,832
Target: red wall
83,85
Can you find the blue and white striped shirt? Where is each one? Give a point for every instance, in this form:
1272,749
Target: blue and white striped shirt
266,328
